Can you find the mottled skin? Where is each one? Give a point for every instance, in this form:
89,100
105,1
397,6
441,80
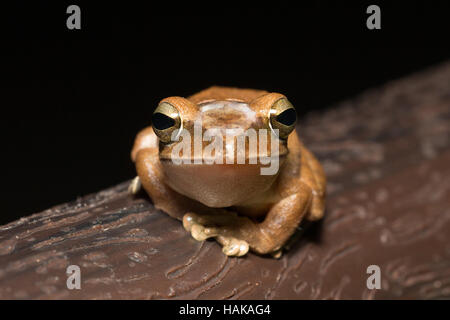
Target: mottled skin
232,203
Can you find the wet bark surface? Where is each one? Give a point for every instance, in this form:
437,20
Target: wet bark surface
387,158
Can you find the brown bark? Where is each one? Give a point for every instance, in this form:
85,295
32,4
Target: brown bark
387,158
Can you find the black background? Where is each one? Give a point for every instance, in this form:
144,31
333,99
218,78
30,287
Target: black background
73,100
353,309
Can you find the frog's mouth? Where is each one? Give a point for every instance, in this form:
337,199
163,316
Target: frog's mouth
255,160
227,154
265,161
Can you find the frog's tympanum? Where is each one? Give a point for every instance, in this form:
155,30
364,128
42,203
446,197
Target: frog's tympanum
209,190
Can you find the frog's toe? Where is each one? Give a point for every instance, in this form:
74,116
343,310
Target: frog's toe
189,220
277,254
233,246
135,185
201,233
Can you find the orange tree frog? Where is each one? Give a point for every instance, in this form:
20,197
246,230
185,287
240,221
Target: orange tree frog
215,197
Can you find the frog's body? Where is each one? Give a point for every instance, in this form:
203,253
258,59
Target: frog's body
233,203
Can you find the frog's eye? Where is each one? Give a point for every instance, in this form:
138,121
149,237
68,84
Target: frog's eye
165,120
283,117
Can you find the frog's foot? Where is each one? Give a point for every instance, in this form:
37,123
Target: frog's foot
135,185
196,225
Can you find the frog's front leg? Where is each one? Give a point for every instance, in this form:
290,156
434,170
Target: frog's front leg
268,236
283,219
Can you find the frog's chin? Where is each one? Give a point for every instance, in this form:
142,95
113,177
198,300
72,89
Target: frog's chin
218,185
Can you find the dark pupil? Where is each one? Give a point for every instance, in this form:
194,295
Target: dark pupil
287,117
161,121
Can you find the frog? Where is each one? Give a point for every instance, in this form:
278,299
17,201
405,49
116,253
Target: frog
233,203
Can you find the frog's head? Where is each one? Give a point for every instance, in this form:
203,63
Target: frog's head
212,150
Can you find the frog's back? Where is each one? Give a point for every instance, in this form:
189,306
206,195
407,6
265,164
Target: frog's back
226,93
